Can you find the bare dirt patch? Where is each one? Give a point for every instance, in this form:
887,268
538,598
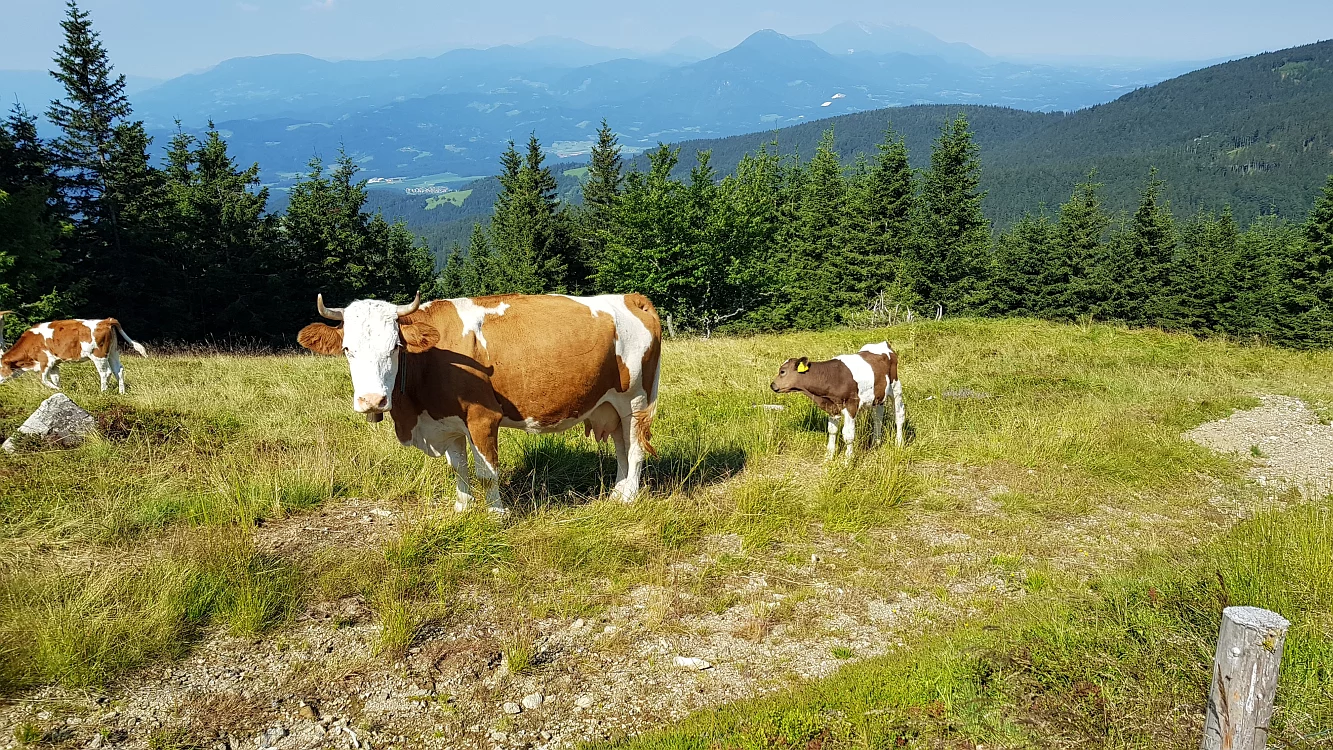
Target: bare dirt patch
1290,446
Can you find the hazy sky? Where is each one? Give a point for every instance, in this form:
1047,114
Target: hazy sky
167,37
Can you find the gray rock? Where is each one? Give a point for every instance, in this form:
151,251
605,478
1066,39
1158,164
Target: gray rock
532,701
583,701
512,708
58,420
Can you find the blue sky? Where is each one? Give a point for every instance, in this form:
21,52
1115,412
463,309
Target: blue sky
164,38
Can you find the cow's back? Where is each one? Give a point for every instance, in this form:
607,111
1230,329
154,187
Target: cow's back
540,360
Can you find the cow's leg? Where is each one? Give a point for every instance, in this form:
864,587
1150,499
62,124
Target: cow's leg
51,376
118,370
832,437
103,366
899,412
485,434
456,449
878,425
627,487
848,432
621,438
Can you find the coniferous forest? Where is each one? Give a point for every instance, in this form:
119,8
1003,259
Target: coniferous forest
184,248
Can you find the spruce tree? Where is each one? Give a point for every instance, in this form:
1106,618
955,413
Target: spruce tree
950,253
533,245
1021,262
93,105
1076,279
1141,261
648,238
31,219
601,188
449,284
478,272
605,170
1203,275
818,275
1262,277
882,211
1309,298
339,249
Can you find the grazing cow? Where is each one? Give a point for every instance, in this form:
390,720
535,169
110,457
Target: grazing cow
453,372
44,347
845,385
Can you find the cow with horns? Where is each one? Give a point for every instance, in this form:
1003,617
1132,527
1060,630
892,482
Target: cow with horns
452,372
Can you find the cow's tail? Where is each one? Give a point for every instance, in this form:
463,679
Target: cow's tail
652,375
125,337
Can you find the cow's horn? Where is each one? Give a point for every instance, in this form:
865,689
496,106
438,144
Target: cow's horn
409,309
332,313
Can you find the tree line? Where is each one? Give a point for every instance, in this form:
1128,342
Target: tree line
185,249
783,243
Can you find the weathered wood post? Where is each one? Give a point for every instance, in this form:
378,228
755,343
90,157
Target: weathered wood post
1240,701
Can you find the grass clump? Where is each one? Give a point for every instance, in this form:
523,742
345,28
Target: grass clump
81,625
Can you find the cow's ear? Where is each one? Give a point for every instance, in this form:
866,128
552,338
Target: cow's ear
803,364
420,337
321,339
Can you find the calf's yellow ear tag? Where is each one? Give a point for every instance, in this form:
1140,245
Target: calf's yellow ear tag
802,367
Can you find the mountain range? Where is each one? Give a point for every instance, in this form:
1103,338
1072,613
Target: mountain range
453,112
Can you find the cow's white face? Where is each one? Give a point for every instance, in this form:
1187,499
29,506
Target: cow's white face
373,337
372,344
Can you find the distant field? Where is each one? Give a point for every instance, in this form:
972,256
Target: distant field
579,172
455,198
1041,566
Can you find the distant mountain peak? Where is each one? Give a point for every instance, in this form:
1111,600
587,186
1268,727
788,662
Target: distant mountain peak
865,37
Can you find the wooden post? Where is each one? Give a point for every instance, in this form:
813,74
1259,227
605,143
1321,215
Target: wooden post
671,329
1240,701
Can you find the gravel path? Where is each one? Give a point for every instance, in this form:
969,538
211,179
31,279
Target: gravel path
1284,438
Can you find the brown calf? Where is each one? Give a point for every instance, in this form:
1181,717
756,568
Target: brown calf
845,385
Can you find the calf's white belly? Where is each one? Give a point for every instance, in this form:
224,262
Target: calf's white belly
864,376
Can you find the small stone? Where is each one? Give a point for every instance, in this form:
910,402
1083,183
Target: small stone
816,559
512,708
96,741
578,624
584,701
308,711
532,701
609,630
546,736
691,663
271,736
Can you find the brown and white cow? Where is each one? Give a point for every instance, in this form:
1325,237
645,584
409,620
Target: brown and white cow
452,372
845,385
45,346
